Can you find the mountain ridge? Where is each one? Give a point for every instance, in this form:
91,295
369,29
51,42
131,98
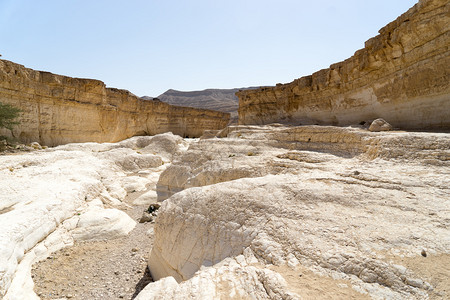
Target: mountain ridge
223,100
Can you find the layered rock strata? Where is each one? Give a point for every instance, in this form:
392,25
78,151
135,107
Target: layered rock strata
59,110
317,209
402,75
215,160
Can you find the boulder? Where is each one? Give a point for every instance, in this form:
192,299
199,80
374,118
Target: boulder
97,223
380,125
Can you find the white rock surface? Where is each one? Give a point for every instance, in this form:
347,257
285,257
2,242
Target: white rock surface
100,223
352,212
51,197
231,279
147,198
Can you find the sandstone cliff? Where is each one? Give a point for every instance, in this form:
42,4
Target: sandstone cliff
402,75
59,109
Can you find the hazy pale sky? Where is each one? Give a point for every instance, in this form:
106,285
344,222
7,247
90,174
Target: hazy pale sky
148,47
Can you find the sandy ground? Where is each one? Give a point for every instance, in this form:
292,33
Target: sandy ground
111,269
435,269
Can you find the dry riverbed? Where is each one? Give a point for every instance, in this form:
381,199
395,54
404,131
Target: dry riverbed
109,269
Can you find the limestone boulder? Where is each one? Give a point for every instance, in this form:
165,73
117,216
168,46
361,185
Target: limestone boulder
98,223
380,125
231,279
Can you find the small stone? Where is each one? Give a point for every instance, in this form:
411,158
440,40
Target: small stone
146,217
380,125
414,282
36,146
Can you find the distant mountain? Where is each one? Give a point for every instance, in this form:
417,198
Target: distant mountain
216,99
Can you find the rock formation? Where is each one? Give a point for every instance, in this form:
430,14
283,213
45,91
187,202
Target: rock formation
298,210
402,76
215,99
53,197
59,110
223,100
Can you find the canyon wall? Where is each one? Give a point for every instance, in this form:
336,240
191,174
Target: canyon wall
59,109
402,75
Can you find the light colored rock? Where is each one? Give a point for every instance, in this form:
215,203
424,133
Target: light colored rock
253,151
36,146
98,223
400,75
52,196
345,212
133,184
147,198
229,280
59,110
380,125
136,162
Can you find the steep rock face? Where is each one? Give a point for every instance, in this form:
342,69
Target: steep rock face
346,203
59,110
401,75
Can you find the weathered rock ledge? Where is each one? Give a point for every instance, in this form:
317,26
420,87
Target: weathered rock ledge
55,197
313,211
401,75
59,109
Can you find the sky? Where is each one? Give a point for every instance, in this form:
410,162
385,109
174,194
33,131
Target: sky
148,47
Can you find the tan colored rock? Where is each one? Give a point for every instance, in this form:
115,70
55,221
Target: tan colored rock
401,75
59,110
380,125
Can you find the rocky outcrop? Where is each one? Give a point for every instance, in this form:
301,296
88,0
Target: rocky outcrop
223,100
401,75
243,153
54,197
215,99
358,208
59,110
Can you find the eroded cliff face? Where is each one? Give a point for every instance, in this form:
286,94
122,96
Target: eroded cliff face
402,75
59,109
